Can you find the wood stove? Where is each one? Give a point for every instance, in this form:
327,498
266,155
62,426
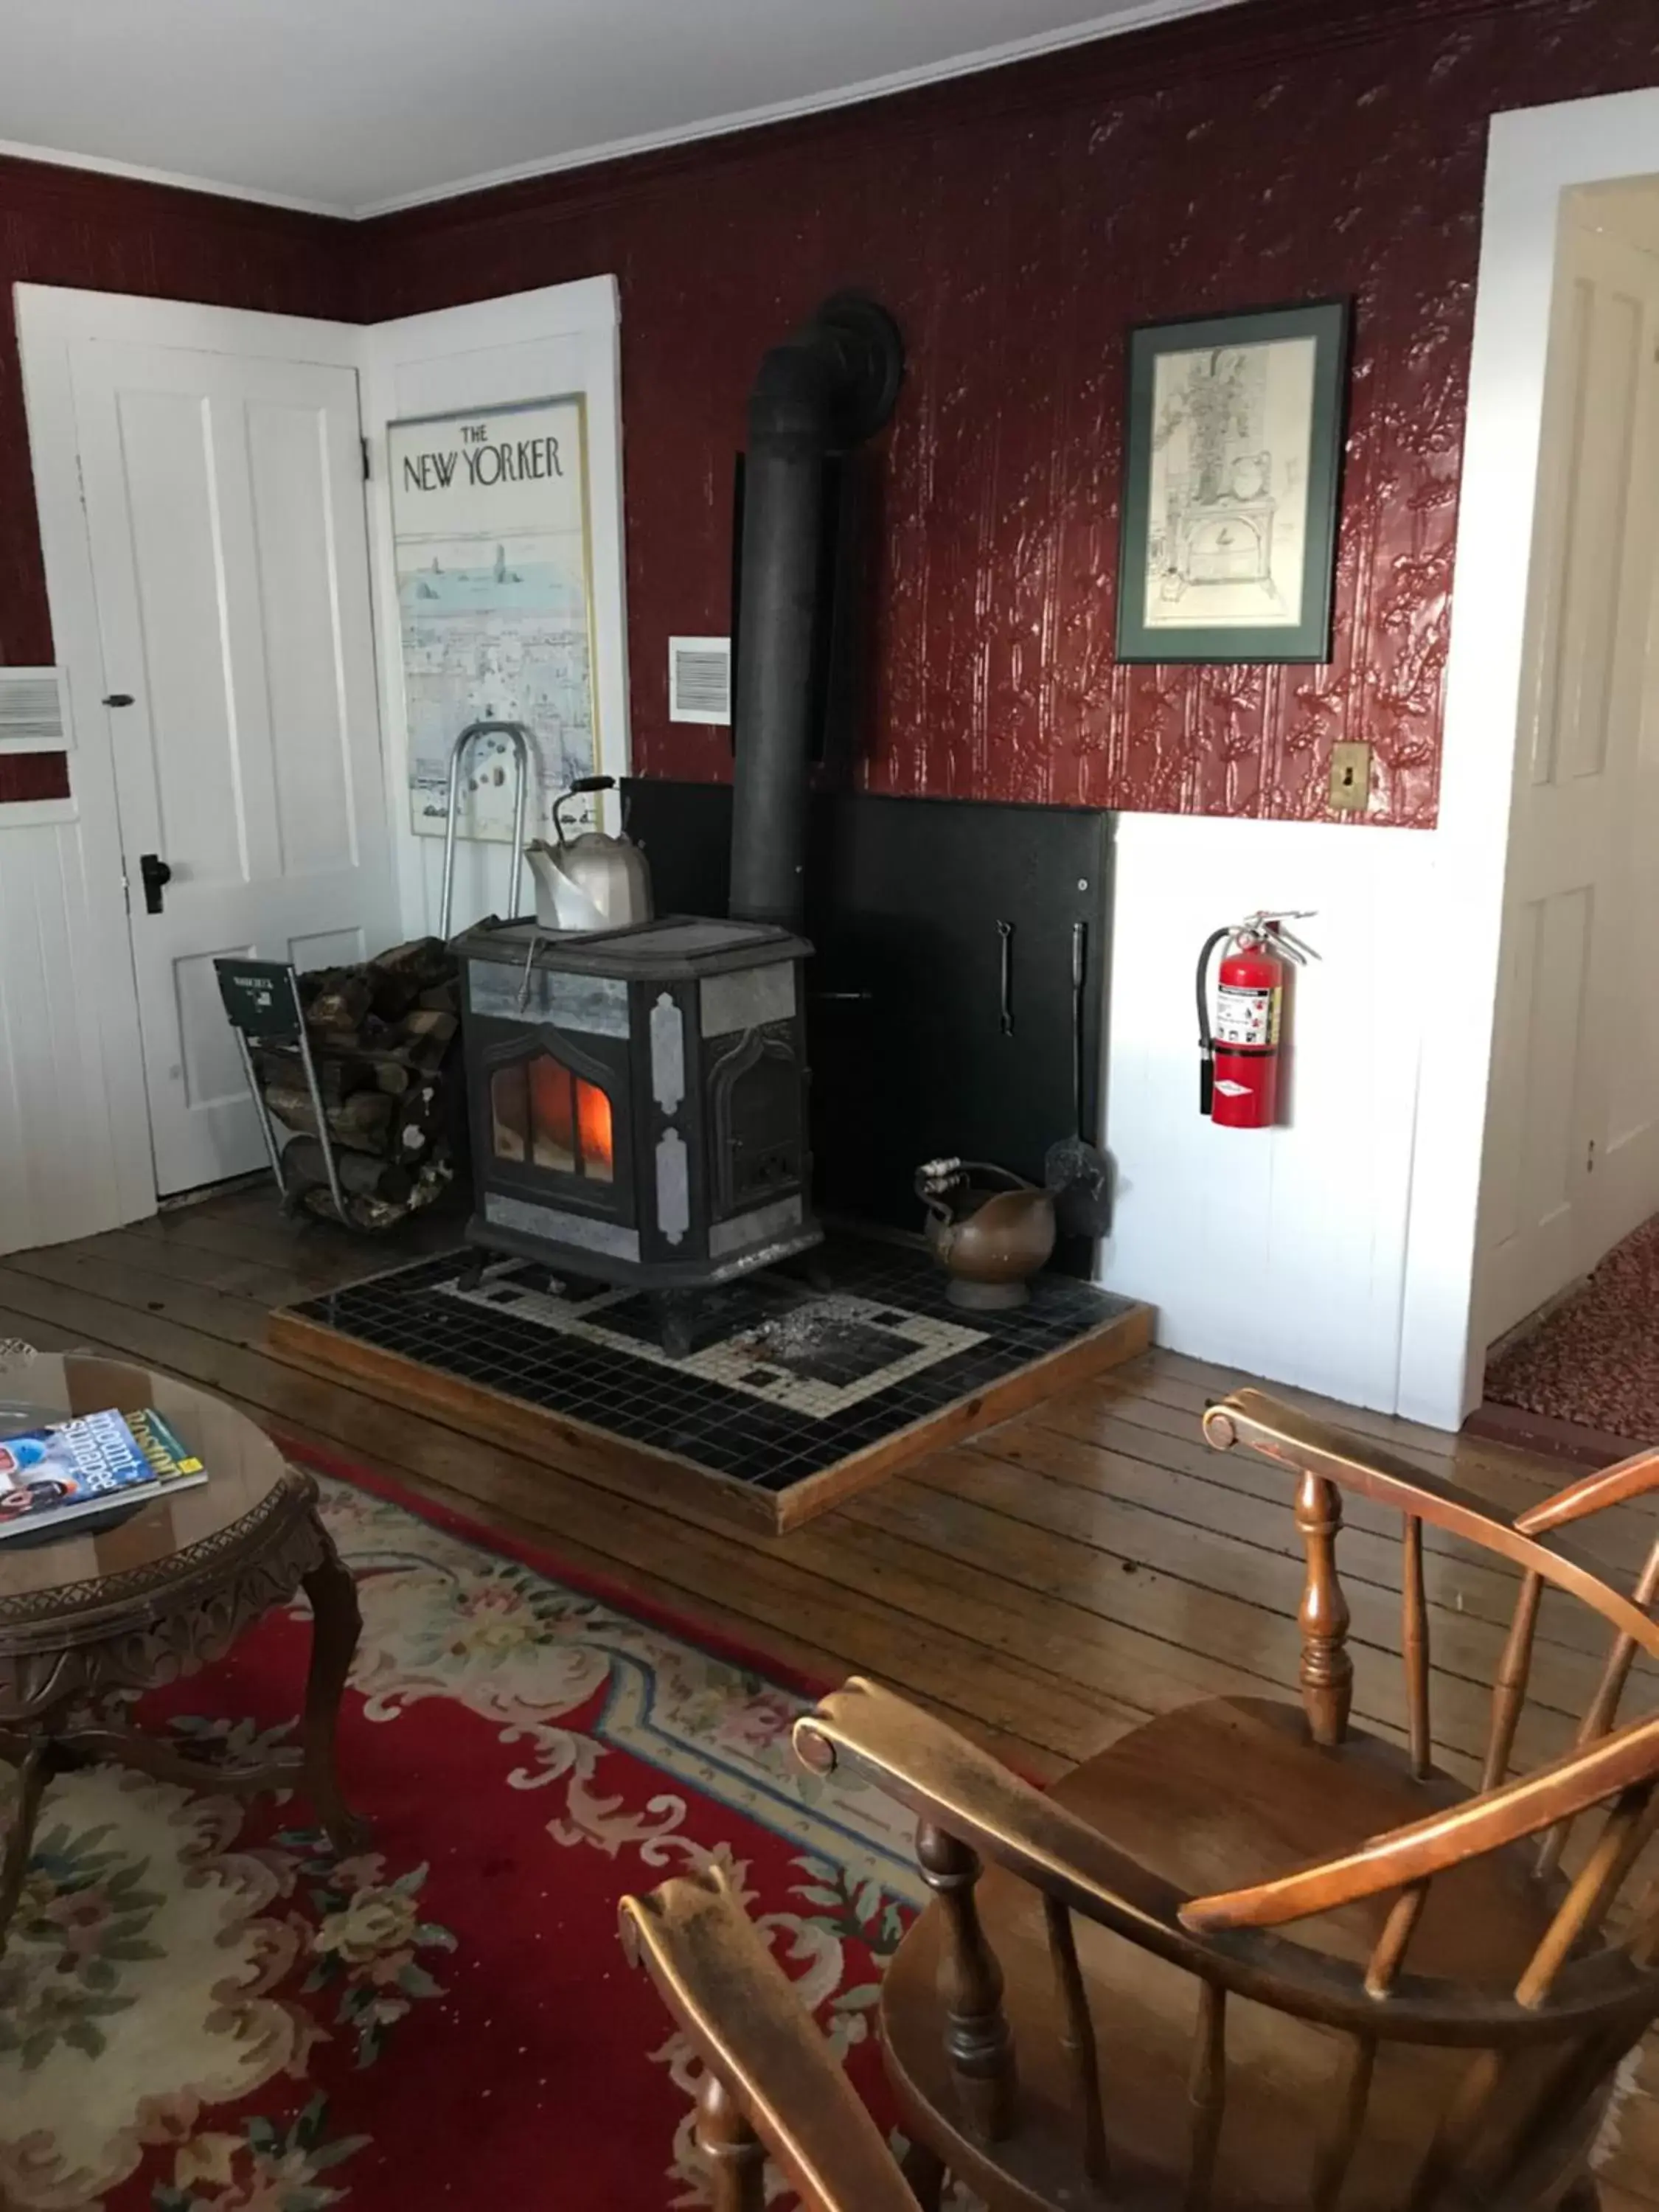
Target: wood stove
638,1096
638,1099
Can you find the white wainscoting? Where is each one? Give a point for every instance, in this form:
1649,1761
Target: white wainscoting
1280,1251
61,1156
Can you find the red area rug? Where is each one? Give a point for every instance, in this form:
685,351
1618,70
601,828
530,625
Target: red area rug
203,2010
1594,1361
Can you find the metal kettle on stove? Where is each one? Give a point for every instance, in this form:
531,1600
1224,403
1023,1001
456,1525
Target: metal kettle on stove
592,881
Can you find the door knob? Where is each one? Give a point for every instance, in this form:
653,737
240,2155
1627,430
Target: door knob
156,874
117,698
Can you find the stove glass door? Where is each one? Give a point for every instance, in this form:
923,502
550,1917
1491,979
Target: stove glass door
544,1115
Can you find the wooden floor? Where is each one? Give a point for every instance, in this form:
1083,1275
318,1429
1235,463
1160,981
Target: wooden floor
1048,1586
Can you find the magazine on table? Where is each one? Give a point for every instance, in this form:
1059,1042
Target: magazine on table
54,1476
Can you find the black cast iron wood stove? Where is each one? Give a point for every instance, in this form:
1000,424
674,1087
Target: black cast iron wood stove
639,1097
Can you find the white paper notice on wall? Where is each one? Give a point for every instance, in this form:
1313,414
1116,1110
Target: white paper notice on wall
700,679
489,514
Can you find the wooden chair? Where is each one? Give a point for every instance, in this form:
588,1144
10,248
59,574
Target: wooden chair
1099,2008
770,2082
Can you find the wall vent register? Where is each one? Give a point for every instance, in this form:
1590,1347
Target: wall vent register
700,679
34,716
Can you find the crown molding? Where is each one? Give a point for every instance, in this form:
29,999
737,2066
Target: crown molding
1259,31
1138,17
1191,43
135,173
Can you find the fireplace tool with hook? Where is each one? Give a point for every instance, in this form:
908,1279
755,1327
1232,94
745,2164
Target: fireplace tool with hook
1076,1170
523,768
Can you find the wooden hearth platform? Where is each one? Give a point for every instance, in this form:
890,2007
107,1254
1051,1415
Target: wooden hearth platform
795,1395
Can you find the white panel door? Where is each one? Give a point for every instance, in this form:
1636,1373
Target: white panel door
497,353
1573,1140
225,514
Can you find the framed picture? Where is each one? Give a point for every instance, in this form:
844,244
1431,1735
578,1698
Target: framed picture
1232,461
493,552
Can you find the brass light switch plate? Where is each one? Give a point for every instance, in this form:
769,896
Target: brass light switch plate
1350,778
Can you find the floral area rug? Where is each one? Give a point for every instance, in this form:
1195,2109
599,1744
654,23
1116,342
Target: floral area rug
203,2009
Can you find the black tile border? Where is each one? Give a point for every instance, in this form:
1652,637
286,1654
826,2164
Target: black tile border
768,1447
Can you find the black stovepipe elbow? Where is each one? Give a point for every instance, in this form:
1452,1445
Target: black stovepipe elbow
826,388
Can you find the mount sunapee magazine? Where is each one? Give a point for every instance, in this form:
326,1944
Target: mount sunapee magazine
60,1473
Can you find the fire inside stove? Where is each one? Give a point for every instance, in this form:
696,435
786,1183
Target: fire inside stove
544,1115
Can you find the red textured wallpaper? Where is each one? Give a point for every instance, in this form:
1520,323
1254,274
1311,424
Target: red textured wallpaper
1016,223
32,775
104,234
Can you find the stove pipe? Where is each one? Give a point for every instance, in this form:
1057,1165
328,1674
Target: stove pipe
826,389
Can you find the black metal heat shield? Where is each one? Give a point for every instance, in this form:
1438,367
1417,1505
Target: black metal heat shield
933,1031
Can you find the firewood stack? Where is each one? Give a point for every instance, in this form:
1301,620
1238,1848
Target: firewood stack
385,1040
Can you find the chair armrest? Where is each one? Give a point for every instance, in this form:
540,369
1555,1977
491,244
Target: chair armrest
875,1736
1611,1485
734,2001
1308,1446
1562,1790
867,1732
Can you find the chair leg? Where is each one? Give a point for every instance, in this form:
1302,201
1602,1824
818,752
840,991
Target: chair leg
336,1624
732,2153
924,2169
37,1767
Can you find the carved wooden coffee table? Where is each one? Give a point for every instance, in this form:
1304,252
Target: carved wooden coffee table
159,1593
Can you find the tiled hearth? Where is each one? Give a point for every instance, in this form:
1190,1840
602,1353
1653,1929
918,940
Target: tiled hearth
788,1381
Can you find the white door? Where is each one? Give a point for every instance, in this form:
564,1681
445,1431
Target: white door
1573,1140
562,338
225,515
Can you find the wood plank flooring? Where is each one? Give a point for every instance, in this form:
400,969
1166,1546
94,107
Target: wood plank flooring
1047,1585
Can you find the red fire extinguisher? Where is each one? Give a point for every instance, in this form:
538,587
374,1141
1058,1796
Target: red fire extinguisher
1238,1064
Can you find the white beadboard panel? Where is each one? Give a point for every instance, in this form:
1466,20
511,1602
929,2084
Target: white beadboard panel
59,1175
1280,1251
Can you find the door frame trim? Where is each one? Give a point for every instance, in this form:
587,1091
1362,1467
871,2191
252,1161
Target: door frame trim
1534,156
49,321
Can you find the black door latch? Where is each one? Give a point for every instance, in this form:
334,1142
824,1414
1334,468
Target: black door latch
156,875
117,698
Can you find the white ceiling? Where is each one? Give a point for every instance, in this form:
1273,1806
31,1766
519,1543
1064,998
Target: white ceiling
354,107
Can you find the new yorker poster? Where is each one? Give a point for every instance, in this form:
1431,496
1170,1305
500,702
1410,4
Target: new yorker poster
494,597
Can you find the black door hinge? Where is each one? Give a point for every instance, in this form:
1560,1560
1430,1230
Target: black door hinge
368,473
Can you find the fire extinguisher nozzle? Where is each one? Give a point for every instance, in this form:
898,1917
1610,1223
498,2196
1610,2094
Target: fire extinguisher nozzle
1205,1086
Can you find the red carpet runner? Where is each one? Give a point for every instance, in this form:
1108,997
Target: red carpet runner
1594,1361
202,2010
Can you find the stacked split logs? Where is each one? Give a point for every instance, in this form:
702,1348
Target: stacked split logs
386,1041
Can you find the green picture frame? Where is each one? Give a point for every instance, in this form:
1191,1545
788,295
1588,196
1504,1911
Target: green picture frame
1232,466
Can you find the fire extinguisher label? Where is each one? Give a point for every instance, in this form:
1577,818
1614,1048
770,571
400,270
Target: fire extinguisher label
1246,1015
